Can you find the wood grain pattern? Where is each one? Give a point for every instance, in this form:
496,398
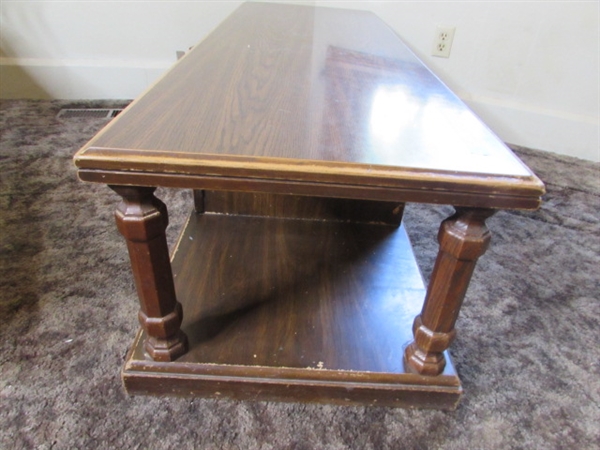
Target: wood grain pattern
271,284
285,309
300,207
318,95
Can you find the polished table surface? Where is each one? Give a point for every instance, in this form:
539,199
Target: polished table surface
314,95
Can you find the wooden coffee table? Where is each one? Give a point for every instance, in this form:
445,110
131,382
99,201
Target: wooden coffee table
303,132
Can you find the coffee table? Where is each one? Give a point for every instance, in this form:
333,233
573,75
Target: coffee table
303,132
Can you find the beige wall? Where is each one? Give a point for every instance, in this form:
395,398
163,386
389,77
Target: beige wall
97,49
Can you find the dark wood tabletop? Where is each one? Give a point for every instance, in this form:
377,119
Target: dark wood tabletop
313,101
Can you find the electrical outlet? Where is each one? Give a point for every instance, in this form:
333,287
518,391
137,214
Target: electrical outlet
443,41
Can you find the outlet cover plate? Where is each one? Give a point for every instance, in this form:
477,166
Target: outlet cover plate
442,42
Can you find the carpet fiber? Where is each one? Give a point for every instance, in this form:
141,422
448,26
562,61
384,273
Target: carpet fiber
527,351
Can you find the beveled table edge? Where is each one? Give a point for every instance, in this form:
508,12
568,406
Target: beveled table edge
161,165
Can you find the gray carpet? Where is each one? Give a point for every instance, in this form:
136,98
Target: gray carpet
528,346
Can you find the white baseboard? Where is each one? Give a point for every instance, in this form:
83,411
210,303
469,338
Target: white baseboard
76,79
542,129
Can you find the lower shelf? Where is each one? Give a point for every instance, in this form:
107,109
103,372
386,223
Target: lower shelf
294,310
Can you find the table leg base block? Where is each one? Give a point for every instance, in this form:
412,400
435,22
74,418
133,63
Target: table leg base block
294,310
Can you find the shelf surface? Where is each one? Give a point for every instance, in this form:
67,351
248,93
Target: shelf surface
288,309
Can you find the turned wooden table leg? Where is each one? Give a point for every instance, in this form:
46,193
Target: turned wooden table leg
142,220
463,238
